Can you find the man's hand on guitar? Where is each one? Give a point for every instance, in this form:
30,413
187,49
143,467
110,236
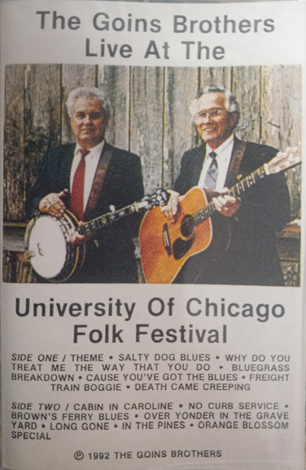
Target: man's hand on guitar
226,204
170,209
52,203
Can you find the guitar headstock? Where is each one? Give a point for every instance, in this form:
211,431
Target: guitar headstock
159,198
283,161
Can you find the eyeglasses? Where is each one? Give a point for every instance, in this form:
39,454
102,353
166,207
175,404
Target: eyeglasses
211,113
93,116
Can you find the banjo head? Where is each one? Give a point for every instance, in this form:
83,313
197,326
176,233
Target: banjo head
52,256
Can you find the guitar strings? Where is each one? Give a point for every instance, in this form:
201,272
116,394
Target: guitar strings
210,208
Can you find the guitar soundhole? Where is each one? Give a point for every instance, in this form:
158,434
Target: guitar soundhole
187,226
181,247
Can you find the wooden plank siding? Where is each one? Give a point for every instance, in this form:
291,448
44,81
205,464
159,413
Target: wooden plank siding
147,122
150,118
42,116
179,132
281,119
14,190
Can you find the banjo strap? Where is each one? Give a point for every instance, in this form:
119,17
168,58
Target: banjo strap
99,179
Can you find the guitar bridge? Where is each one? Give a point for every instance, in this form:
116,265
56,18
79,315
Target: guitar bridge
166,238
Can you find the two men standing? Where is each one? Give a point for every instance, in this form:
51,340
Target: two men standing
112,177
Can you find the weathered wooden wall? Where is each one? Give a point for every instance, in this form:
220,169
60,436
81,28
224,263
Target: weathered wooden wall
150,116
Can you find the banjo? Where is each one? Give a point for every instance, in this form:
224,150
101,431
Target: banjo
47,238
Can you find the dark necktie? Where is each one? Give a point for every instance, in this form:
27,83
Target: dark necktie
77,192
212,173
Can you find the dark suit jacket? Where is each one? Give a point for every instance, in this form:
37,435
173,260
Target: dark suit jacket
113,260
252,257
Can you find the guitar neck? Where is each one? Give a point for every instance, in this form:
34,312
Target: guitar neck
235,191
110,218
247,182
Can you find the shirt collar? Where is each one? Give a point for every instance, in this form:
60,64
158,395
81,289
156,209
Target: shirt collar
229,141
94,151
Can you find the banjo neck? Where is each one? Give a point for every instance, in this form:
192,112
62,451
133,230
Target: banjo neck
110,218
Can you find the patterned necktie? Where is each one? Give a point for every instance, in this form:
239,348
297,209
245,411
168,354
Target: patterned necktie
212,173
77,192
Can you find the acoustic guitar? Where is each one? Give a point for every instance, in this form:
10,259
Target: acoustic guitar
166,247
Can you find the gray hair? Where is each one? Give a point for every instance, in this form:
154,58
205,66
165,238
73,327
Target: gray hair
231,104
89,92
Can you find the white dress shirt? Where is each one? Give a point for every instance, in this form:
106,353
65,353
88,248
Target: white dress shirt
91,163
223,158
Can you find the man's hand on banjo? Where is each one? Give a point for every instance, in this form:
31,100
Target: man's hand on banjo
77,239
52,203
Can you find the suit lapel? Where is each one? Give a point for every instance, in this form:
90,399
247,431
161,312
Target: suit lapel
233,171
197,164
65,162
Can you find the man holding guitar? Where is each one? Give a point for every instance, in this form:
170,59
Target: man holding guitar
89,177
249,254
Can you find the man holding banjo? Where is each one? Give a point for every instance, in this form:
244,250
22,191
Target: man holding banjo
91,178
